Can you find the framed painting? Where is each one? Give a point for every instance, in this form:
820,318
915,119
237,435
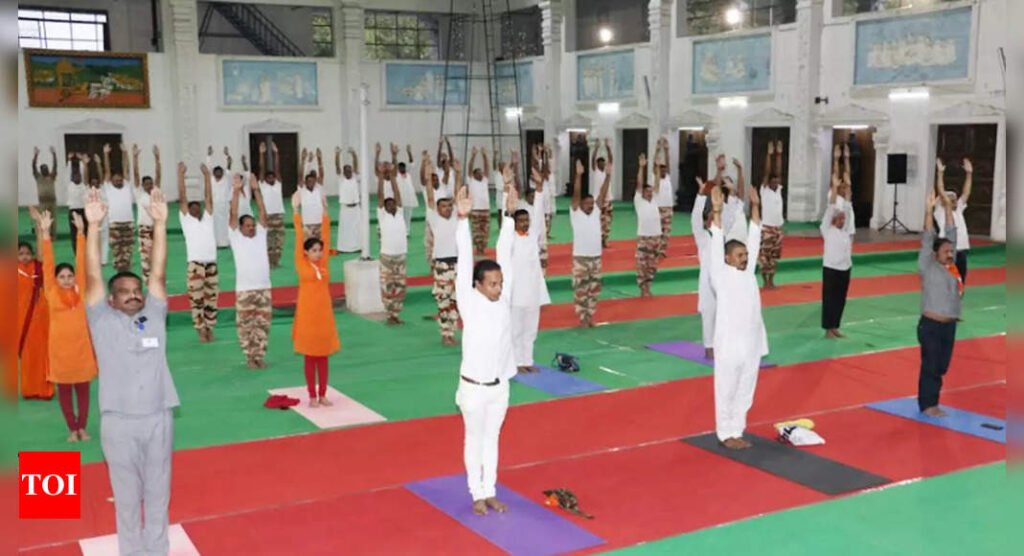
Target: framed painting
80,79
605,76
268,84
421,84
507,82
732,65
912,49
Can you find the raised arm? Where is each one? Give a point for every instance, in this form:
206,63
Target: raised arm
394,157
236,192
717,243
227,155
408,151
254,186
319,166
44,222
928,235
277,161
448,145
608,151
158,258
487,163
396,192
697,215
778,158
577,184
355,161
136,175
207,189
472,160
53,165
593,154
380,190
641,173
740,180
302,166
602,197
156,173
965,194
464,250
95,211
768,163
83,169
376,160
125,164
261,164
428,188
300,233
337,161
182,193
35,162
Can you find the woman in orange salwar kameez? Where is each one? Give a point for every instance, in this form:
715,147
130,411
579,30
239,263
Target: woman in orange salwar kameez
33,326
314,334
72,361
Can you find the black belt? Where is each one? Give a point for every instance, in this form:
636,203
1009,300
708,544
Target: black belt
496,381
447,260
352,205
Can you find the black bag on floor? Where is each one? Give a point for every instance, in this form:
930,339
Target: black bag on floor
567,363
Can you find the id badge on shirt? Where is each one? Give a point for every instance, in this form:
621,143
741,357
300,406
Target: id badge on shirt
150,343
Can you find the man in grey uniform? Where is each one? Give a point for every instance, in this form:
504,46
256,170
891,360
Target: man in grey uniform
136,391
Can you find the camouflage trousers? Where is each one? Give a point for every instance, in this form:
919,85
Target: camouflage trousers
666,231
392,283
586,283
606,222
122,238
481,228
145,249
310,231
646,260
275,238
203,287
444,294
771,249
252,318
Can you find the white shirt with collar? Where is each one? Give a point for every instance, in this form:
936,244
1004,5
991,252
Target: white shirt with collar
838,250
406,187
312,205
479,192
120,201
252,264
200,238
393,240
586,232
487,325
273,197
348,190
76,191
771,207
444,233
739,326
648,219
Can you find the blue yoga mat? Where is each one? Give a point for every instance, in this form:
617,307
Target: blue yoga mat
526,528
557,383
957,420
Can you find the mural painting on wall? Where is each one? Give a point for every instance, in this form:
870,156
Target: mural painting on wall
605,76
424,84
264,83
934,46
732,65
507,83
65,79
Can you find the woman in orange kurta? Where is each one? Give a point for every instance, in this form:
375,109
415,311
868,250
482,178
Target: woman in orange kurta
72,361
314,334
33,326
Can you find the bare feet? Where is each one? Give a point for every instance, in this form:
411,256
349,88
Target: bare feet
83,436
586,323
934,411
838,333
709,353
522,369
261,364
830,334
313,402
325,402
736,443
448,341
394,321
252,364
645,292
73,437
480,507
496,505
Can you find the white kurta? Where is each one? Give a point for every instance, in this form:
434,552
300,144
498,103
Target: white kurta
734,219
705,293
740,337
349,215
530,290
221,208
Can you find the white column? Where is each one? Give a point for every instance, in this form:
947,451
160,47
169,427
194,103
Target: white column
879,212
551,34
803,180
183,41
350,44
659,18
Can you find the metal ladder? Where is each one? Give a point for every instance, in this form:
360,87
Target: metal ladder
486,18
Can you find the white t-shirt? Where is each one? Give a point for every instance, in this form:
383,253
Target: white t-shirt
407,187
444,234
200,238
648,219
348,190
771,207
273,197
838,252
448,186
963,239
586,232
76,191
393,241
252,264
312,205
665,197
142,199
119,202
596,181
480,193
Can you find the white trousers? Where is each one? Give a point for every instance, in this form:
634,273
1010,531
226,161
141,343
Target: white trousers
525,322
735,381
483,412
707,321
138,453
221,214
407,212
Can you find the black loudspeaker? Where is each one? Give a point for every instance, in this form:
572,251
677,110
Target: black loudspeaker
897,168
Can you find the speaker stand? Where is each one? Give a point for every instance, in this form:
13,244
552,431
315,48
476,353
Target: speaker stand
895,222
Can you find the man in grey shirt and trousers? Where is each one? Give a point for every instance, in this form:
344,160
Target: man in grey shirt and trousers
942,291
136,391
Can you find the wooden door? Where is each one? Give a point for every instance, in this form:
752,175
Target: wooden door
288,151
693,162
862,170
978,143
634,142
92,144
579,149
759,138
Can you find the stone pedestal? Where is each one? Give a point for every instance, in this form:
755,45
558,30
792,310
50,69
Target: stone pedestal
362,287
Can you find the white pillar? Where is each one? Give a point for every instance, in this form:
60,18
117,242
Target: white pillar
659,18
878,210
551,34
183,41
803,179
362,276
348,26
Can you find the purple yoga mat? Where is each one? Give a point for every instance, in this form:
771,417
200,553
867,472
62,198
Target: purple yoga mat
526,528
691,352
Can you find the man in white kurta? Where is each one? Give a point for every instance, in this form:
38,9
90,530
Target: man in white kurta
530,291
705,293
484,295
349,209
740,339
222,197
407,188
